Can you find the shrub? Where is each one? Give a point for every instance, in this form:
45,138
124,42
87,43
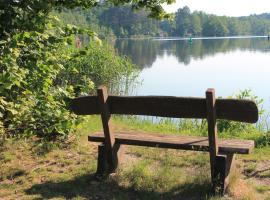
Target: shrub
239,127
40,72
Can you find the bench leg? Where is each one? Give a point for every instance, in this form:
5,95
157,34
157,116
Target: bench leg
117,154
223,166
102,164
108,164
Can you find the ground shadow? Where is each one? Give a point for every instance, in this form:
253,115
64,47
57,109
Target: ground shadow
87,186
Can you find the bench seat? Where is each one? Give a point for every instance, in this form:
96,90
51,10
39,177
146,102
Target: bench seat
225,146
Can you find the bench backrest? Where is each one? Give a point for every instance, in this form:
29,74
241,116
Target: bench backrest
168,106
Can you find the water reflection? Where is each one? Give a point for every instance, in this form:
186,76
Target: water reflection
145,52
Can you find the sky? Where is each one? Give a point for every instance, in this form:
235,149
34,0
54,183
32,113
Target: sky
223,7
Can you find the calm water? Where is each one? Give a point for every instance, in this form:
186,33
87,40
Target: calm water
180,68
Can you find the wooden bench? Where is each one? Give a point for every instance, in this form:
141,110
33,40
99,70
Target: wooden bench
221,150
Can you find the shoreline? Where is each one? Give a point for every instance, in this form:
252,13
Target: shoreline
193,38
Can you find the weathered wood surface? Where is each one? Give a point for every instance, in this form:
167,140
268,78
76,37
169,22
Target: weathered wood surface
104,166
105,117
225,146
86,105
111,149
167,106
102,161
224,163
212,129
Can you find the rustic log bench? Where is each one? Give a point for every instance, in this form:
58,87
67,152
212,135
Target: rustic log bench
221,150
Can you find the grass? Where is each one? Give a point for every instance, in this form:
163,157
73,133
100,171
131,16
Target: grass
34,169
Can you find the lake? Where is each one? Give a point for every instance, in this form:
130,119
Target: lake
178,67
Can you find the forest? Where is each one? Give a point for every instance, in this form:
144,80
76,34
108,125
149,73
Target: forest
124,22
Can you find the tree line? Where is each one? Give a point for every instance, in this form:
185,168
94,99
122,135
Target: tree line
122,21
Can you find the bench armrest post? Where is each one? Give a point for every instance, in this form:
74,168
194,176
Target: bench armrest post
212,129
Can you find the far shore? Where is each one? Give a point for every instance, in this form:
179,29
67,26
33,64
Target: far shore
193,38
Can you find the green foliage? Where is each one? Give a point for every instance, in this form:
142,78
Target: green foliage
37,79
99,65
239,127
83,18
41,70
37,82
2,108
215,27
32,102
123,22
183,21
31,15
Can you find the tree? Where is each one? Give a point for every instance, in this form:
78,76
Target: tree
31,15
234,26
122,20
196,26
183,22
214,26
35,51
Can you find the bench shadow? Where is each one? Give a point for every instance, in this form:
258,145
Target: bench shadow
88,187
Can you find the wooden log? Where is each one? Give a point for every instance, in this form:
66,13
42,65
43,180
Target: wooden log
212,129
164,106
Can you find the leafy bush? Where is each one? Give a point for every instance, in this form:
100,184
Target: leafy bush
94,65
239,127
40,72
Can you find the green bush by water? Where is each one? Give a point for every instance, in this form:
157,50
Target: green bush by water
40,72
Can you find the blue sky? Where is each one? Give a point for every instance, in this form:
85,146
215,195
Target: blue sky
223,7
